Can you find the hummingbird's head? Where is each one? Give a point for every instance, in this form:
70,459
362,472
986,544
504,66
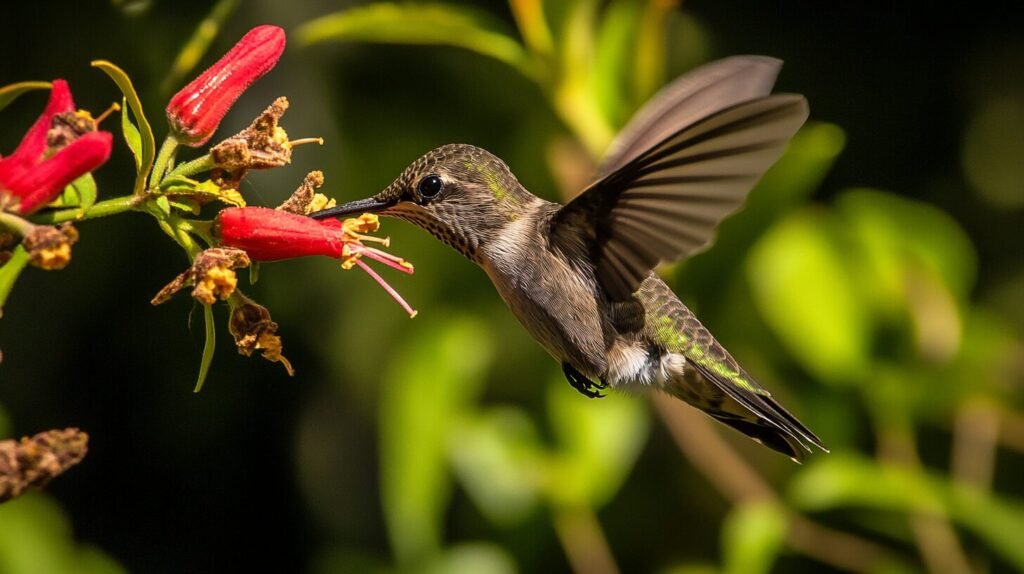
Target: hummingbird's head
461,194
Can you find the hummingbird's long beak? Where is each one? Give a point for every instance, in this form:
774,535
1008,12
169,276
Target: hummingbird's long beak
368,205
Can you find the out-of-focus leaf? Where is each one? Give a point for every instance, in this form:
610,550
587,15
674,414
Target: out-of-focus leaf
574,97
991,151
649,61
209,346
132,137
10,92
498,458
35,536
916,231
433,380
803,288
753,534
691,569
148,144
472,558
791,180
598,442
427,24
533,25
917,263
844,481
198,43
10,270
614,61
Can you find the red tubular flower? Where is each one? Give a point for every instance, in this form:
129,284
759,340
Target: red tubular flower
35,174
270,235
195,112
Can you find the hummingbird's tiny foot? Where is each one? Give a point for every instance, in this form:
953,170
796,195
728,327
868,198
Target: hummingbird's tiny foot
581,383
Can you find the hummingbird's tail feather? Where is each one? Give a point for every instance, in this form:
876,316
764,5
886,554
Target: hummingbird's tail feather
755,414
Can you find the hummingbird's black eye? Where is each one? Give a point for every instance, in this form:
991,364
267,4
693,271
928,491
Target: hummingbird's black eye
430,186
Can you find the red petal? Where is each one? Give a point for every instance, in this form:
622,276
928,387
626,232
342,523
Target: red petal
269,235
32,146
44,182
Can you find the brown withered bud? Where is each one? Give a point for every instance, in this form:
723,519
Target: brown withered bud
305,200
50,247
7,242
68,127
262,145
254,330
33,461
211,275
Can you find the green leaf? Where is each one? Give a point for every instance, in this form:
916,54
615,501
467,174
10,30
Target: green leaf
85,188
185,204
433,380
182,186
850,481
131,135
197,45
11,92
498,458
753,534
254,272
598,442
10,270
209,346
422,24
805,290
148,143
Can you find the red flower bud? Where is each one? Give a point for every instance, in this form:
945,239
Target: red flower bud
30,178
195,112
271,234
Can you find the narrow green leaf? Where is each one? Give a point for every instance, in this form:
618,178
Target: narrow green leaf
148,143
753,535
254,272
614,59
186,204
10,92
198,43
9,272
131,135
423,24
434,379
208,347
178,185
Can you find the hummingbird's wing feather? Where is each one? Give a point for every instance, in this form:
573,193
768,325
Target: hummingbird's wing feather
703,91
714,382
667,201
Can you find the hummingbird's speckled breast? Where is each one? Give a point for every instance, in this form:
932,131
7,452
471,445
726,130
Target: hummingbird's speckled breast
558,305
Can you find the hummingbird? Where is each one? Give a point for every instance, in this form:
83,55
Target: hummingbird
580,276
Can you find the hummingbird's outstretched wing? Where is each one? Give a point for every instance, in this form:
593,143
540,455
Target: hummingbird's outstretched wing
679,168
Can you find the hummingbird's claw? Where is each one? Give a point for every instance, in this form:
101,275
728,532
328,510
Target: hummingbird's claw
581,383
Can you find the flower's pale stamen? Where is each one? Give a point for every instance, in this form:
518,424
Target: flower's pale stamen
304,141
394,294
114,107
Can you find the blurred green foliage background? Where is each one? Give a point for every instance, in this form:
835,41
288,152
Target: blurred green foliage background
875,283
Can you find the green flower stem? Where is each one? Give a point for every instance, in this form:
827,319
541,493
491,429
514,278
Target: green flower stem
9,272
103,208
15,223
200,228
189,168
163,160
